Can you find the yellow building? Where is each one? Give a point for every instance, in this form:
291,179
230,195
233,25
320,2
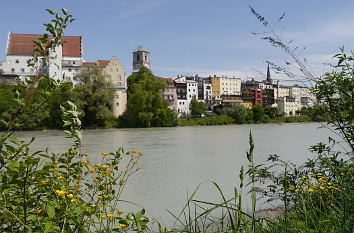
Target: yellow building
215,82
115,73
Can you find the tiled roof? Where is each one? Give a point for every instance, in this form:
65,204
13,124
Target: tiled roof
22,44
87,63
103,63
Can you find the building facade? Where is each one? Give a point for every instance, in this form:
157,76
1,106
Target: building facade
19,49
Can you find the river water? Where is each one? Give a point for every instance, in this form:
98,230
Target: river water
176,160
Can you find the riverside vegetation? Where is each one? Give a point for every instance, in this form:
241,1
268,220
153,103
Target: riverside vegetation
45,192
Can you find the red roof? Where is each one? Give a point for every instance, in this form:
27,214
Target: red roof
103,63
89,63
22,44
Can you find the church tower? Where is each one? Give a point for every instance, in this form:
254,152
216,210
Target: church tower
269,79
141,57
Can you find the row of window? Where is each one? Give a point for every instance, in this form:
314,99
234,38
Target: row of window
22,70
119,78
192,84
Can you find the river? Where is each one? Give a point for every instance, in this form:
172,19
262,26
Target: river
176,160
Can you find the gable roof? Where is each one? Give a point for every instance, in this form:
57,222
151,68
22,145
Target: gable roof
22,44
103,63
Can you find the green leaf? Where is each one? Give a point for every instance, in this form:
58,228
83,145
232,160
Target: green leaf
51,211
65,11
50,11
14,140
48,227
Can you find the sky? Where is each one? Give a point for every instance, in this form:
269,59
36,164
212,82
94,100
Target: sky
188,37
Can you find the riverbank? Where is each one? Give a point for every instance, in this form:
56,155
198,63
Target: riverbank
226,120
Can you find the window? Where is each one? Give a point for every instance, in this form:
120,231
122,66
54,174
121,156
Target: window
17,61
109,78
74,62
69,70
13,69
137,57
117,96
146,58
23,69
117,69
117,104
119,77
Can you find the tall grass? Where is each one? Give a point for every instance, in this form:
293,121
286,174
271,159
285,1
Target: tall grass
317,199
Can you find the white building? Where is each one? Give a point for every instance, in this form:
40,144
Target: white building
19,49
288,106
230,86
208,91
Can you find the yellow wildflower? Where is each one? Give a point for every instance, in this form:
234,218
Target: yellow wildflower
102,217
103,174
91,170
104,166
302,186
110,215
134,162
311,190
100,204
109,172
113,166
86,163
60,193
104,154
342,173
291,188
96,166
120,212
321,187
73,200
329,183
96,181
297,190
60,177
122,225
55,165
311,174
104,190
91,221
77,181
75,187
66,165
309,180
70,196
86,154
300,181
134,151
37,211
336,188
44,181
88,208
140,154
99,197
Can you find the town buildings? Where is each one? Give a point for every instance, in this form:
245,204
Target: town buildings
115,74
19,49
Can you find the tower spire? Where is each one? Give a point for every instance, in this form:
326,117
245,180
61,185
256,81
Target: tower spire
269,79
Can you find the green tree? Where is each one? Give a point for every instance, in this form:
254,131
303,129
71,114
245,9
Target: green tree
272,112
196,107
239,113
258,112
93,96
146,106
